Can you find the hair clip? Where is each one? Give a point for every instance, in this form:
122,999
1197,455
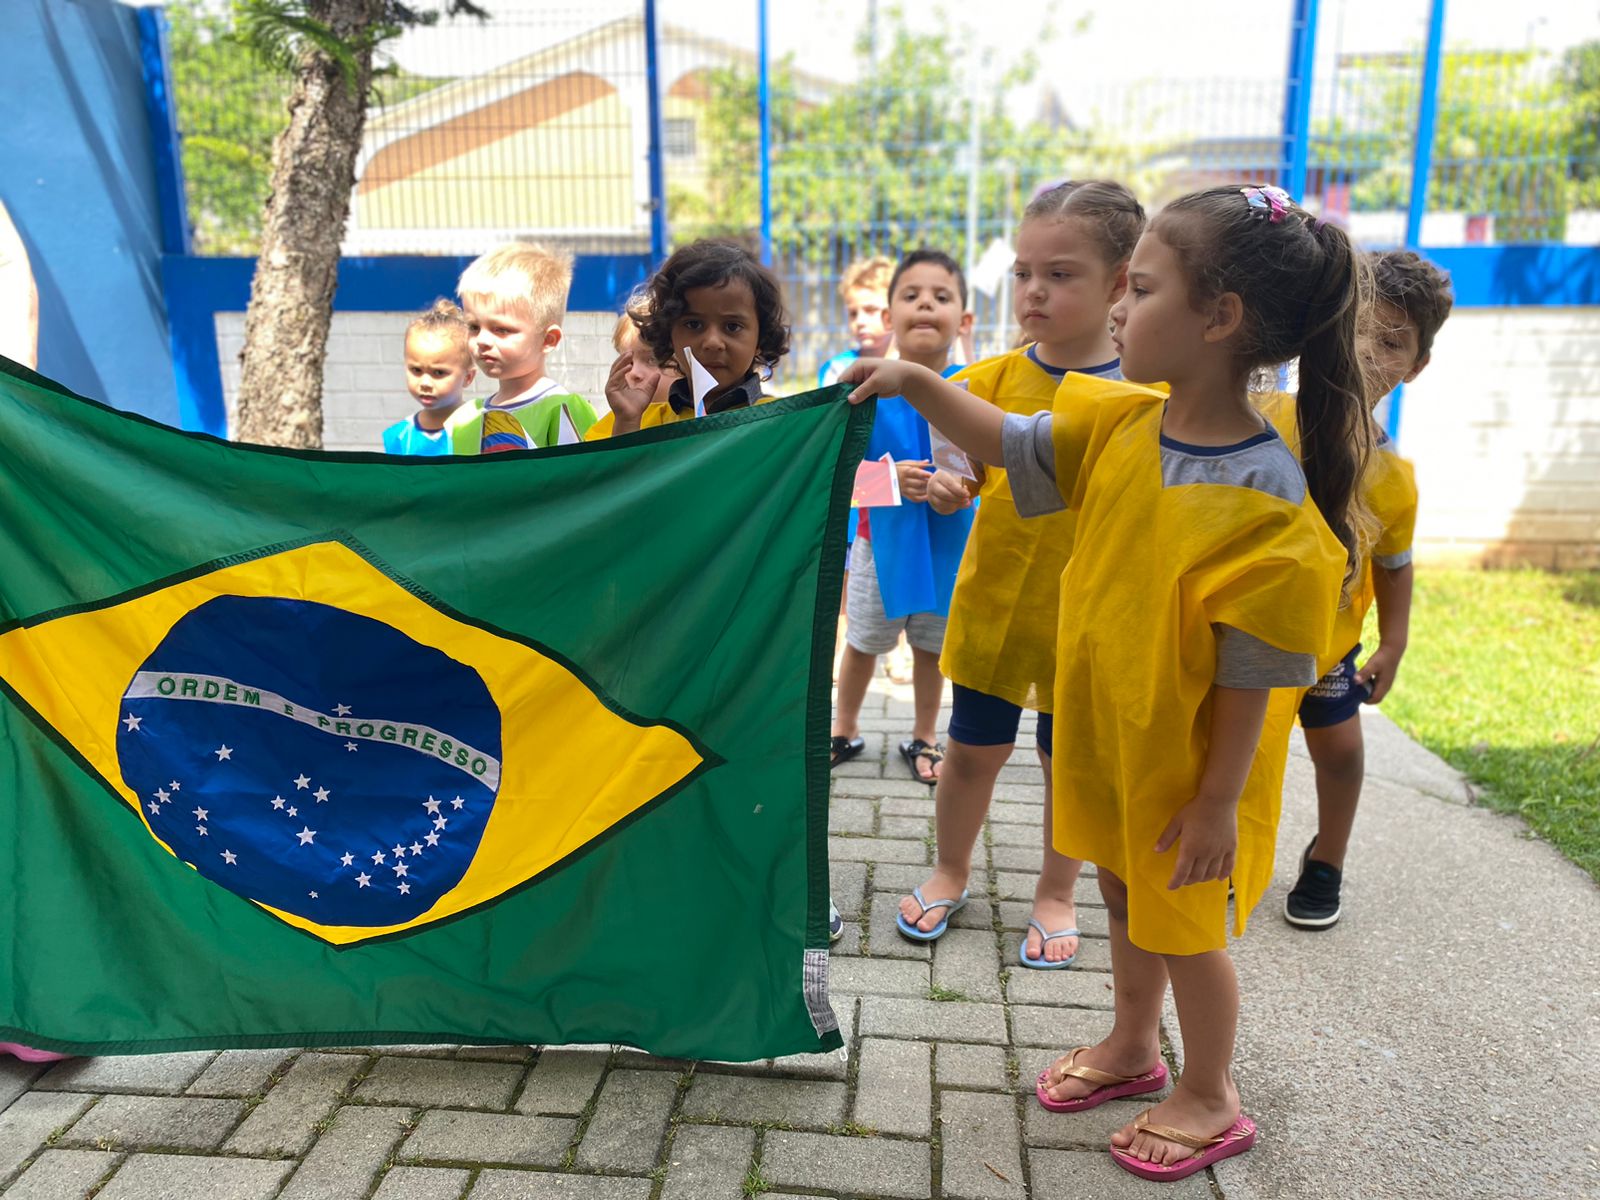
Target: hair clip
1273,200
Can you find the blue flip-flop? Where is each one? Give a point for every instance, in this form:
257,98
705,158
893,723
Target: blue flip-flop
907,929
1041,964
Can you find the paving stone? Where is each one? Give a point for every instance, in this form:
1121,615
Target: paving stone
918,804
285,1122
423,1183
889,791
1022,774
876,849
880,976
847,883
1010,791
1094,954
240,1073
851,814
62,1175
1079,989
30,1120
977,914
1007,834
1017,858
1019,885
955,1021
432,1082
445,1135
16,1077
1077,1175
349,1154
180,1176
876,1166
868,766
174,1122
708,1163
966,961
747,1099
629,1122
1087,1130
849,943
563,1081
894,1088
501,1054
918,827
884,935
967,1066
900,878
126,1073
1037,1025
532,1185
830,1064
982,1152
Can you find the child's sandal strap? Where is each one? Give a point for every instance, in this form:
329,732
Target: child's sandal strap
1092,1074
1142,1123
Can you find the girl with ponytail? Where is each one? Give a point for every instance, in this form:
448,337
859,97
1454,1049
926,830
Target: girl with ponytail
1201,591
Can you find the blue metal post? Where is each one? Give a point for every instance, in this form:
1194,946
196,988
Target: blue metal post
764,99
155,63
658,171
1297,98
1421,162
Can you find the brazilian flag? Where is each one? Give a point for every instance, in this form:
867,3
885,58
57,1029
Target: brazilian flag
343,749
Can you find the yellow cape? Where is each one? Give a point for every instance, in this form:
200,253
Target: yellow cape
1154,570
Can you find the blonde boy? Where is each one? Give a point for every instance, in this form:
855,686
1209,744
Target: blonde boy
865,292
515,298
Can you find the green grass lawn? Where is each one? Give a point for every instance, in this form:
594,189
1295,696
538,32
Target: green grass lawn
1501,679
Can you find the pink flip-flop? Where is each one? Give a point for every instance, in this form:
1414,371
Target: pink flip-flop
29,1054
1235,1139
1109,1086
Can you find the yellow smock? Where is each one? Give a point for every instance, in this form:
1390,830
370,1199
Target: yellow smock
1155,569
1001,634
657,412
1389,487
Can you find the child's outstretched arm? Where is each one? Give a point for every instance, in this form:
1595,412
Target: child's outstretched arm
971,423
1206,829
1391,589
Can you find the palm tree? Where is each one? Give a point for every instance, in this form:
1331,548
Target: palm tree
326,47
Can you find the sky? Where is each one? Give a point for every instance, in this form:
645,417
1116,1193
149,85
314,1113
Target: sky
1095,42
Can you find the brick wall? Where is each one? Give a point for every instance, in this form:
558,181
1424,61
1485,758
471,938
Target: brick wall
363,380
1504,428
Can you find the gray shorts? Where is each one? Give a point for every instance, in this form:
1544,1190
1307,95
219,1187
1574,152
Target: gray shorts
867,628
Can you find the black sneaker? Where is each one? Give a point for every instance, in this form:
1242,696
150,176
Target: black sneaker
1313,902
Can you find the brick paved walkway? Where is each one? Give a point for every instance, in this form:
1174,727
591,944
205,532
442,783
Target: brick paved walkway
933,1101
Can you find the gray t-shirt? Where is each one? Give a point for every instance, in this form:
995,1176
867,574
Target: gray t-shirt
1261,462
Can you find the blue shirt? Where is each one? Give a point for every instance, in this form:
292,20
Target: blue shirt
407,437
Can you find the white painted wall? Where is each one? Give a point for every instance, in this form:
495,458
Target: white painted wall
363,380
1504,429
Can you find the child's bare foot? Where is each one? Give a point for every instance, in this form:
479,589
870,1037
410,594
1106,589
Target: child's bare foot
943,884
1114,1059
1203,1116
1053,913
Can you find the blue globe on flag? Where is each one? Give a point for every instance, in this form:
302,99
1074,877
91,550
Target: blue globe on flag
311,759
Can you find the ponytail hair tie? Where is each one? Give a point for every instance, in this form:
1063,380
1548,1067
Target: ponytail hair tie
1273,201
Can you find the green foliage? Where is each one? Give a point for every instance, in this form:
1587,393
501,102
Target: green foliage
1503,144
1502,680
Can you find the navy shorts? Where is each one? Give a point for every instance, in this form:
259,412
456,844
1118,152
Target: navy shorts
1336,697
979,719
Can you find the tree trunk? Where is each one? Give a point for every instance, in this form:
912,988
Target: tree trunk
291,298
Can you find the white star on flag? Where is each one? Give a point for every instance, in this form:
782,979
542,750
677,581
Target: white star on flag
457,803
229,857
432,839
293,811
201,830
175,786
399,851
223,752
313,895
349,745
132,722
440,822
201,814
307,835
163,795
363,879
400,868
155,808
303,782
341,710
405,889
278,802
347,859
416,848
378,857
431,805
321,794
